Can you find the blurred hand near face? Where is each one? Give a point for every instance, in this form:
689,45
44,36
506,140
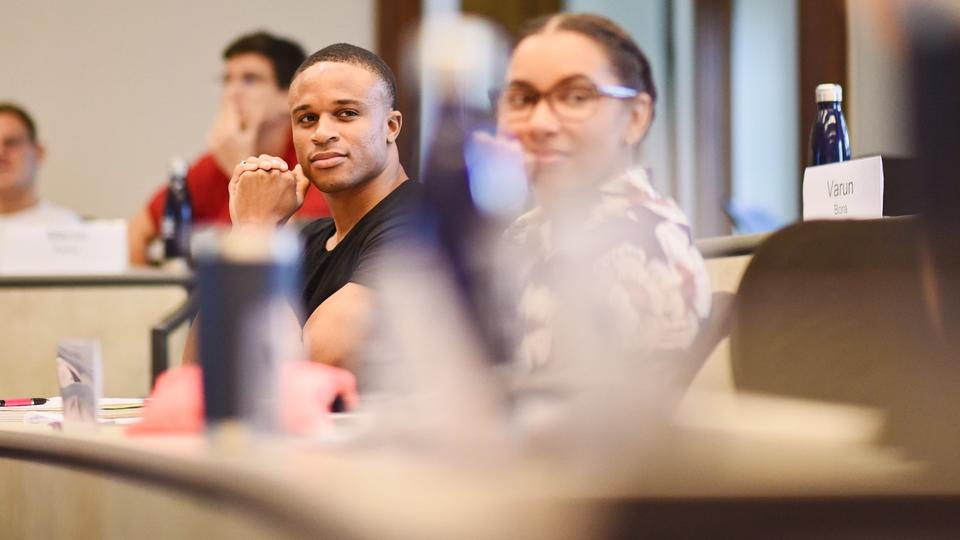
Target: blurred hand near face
264,191
250,100
506,151
499,173
234,134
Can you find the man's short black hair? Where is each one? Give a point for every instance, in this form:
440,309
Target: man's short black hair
285,55
23,115
344,53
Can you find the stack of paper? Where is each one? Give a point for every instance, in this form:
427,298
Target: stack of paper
112,410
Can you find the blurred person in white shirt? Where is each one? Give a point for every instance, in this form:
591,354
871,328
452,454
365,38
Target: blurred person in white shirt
21,154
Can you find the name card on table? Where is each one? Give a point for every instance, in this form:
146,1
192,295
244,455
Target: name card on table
846,190
95,247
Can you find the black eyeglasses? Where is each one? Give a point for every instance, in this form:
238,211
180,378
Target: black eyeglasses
569,100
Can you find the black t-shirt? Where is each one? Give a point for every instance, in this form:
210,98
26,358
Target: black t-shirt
356,258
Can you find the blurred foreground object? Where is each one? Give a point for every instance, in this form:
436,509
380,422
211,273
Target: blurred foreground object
439,325
308,391
461,57
247,281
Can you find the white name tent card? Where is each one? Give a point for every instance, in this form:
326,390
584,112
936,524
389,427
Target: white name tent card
94,247
846,190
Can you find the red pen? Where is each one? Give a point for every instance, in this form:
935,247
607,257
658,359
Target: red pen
20,402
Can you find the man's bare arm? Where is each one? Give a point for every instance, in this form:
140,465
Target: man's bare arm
230,138
332,335
336,330
140,232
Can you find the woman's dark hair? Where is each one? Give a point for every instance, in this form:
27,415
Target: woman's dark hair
629,62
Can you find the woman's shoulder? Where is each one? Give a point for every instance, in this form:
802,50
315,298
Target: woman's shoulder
641,197
662,237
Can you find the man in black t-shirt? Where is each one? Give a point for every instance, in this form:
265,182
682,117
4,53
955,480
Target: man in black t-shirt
345,127
358,254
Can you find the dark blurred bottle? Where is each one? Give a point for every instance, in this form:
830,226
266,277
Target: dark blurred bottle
829,141
175,228
247,282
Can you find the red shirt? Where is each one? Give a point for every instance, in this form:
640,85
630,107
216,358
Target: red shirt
208,187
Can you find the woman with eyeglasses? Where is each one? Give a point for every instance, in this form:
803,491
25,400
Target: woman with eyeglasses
578,101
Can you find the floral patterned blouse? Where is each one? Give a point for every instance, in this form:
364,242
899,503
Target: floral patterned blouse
639,258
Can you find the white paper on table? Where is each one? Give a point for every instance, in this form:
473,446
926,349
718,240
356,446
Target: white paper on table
110,409
47,418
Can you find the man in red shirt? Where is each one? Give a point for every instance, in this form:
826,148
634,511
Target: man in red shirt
253,120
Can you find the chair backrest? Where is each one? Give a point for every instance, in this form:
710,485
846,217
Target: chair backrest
900,180
837,311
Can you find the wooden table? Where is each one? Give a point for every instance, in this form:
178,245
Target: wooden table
108,486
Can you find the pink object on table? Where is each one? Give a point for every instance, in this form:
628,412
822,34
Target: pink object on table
308,390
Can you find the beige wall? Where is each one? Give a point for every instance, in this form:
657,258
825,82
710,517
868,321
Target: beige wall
118,87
